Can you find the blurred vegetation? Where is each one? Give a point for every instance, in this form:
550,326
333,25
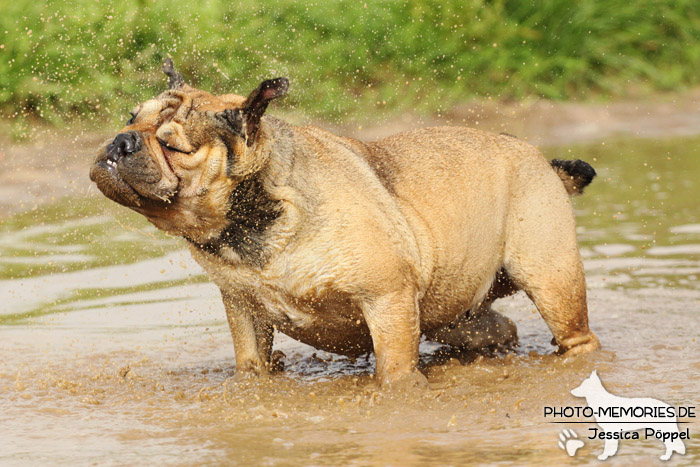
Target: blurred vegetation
93,60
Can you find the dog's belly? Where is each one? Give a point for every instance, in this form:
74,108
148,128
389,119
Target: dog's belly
351,339
332,322
451,295
437,311
335,324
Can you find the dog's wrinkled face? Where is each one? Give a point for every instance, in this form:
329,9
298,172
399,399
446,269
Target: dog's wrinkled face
182,153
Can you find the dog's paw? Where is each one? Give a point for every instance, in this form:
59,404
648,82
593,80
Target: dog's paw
250,371
569,442
409,382
276,364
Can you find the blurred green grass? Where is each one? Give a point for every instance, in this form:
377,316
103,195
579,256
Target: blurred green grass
93,60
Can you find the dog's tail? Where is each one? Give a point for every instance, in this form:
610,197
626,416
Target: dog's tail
575,174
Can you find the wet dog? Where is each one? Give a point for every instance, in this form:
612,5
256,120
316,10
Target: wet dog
353,247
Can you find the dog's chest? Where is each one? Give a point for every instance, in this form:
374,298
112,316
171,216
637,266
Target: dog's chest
323,318
298,298
322,309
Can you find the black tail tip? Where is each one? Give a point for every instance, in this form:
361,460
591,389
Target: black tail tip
576,174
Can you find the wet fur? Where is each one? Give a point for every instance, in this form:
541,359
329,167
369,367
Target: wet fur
351,246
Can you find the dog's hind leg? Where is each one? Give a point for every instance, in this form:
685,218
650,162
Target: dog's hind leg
482,326
669,451
476,329
672,446
542,258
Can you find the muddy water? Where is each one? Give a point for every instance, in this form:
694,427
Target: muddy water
114,347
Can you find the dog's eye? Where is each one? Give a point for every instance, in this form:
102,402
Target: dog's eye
131,120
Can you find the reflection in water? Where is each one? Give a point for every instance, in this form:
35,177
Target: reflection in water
115,348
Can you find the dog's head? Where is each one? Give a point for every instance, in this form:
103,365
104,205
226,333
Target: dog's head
181,154
590,386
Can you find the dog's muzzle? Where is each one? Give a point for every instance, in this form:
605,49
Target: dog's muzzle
105,172
123,145
126,173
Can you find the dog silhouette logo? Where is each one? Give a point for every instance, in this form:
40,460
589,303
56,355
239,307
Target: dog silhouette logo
623,417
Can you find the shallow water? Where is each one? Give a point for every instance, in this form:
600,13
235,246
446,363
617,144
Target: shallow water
115,349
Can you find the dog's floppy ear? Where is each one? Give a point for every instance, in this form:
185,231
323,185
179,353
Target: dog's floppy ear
256,103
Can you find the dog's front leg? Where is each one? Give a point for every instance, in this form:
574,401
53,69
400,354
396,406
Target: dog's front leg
393,321
252,340
609,450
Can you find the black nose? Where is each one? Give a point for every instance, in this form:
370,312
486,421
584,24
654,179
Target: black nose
123,145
